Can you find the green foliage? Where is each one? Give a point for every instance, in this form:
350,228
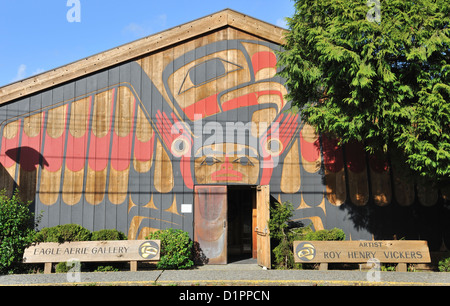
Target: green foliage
286,232
108,234
75,232
63,233
383,82
16,230
64,267
334,234
444,265
176,249
280,214
106,269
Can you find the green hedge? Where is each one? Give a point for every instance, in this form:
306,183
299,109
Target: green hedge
75,232
444,265
176,249
108,234
63,233
325,235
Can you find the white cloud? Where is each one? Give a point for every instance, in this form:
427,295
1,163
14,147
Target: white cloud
21,72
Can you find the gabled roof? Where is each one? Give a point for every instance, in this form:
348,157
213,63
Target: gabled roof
152,43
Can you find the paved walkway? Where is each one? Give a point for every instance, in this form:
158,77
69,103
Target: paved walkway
232,274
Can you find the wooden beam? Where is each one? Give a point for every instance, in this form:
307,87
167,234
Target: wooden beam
48,268
257,27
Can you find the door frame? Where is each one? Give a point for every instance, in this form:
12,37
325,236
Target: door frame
260,218
262,226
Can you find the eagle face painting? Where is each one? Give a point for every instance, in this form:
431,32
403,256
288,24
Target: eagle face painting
229,95
122,147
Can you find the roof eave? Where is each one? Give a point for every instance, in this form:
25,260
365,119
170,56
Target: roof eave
141,47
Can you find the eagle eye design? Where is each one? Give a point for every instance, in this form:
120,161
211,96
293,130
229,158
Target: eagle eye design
206,72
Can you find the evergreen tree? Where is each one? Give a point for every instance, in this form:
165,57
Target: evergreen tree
376,72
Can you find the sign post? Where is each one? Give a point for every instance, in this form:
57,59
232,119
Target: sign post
94,251
386,251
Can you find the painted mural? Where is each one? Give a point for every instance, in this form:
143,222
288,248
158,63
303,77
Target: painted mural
123,148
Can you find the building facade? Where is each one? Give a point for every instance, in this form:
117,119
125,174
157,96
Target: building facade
190,129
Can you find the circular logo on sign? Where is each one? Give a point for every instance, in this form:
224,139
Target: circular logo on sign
305,251
148,249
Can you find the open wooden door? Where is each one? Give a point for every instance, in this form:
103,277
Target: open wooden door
210,222
262,225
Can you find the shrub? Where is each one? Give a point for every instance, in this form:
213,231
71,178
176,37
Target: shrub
176,249
444,265
286,232
63,233
64,267
326,235
16,230
108,234
106,269
279,228
75,232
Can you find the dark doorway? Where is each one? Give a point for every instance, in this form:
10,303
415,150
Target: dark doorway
241,206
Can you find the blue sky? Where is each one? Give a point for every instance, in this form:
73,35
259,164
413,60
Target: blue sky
36,35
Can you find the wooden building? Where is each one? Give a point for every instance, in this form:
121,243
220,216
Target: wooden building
189,129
